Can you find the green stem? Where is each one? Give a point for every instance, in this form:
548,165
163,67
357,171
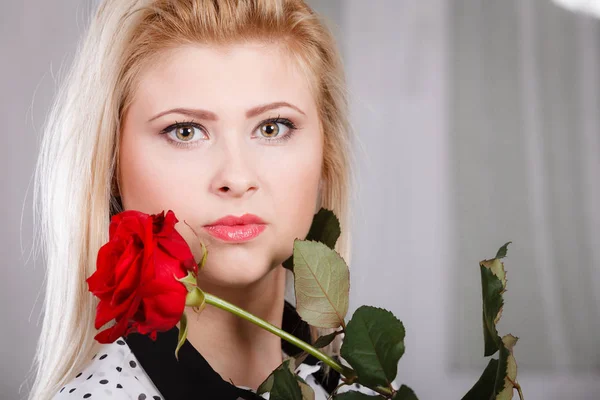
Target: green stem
224,305
349,373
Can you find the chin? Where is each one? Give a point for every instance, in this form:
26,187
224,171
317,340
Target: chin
234,270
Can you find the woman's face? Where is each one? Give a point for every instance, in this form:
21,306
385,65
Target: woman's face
234,152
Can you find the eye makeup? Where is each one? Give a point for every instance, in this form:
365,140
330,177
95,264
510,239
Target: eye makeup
168,132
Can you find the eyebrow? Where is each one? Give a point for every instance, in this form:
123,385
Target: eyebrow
211,116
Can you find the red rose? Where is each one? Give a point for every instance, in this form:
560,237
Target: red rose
134,275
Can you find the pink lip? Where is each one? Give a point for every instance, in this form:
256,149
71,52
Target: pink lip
236,229
245,219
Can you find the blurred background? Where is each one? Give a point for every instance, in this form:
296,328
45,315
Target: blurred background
477,123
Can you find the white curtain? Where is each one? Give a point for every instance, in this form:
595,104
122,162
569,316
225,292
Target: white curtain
478,123
525,143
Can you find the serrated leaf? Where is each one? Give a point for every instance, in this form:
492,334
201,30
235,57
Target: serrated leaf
321,284
266,385
493,284
405,393
183,328
497,380
307,392
325,228
502,251
507,369
484,387
289,263
285,384
278,381
491,384
323,341
373,345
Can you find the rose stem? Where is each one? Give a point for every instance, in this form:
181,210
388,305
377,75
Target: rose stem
345,371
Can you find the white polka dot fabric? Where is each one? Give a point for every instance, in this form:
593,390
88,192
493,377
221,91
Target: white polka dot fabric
115,373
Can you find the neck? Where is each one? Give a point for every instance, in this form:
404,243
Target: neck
241,352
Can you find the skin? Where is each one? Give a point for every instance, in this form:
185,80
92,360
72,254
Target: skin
229,168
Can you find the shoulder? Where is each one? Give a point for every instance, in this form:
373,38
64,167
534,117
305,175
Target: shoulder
113,372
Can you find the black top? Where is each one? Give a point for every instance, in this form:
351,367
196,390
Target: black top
192,376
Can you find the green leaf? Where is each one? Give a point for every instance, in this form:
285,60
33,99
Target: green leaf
502,251
325,228
183,328
321,283
507,369
493,284
405,393
493,302
373,345
285,384
289,263
266,385
281,383
323,341
353,395
307,392
484,387
498,380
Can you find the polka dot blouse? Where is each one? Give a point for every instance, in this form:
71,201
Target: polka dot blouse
138,368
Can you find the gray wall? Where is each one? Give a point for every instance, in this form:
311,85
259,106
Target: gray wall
37,39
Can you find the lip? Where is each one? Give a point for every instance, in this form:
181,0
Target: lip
236,229
231,220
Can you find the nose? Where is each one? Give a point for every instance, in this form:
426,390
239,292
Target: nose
235,175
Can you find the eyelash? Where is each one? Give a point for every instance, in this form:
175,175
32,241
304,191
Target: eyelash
292,128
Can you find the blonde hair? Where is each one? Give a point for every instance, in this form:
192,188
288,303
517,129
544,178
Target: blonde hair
76,170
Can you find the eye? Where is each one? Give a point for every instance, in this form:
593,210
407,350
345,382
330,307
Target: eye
276,129
182,133
269,129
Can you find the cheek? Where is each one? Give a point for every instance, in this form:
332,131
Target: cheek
151,179
294,187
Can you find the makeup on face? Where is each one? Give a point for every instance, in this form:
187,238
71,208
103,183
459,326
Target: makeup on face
236,229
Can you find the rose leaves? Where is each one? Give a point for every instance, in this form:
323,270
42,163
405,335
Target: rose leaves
499,379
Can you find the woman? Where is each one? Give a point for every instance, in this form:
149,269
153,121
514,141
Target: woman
211,108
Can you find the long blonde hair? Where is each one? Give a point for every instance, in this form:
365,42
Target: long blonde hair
75,174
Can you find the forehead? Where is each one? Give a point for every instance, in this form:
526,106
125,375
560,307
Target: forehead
223,78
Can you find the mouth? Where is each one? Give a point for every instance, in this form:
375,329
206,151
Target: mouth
236,229
237,233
